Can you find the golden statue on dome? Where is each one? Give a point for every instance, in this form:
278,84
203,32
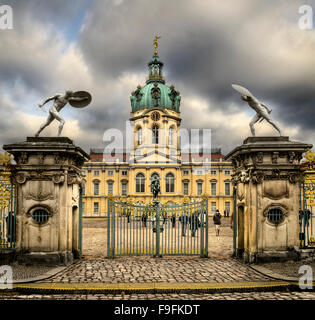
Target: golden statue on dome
155,43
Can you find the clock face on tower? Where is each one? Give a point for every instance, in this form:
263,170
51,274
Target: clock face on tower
155,116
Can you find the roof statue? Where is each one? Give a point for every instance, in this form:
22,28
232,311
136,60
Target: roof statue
262,111
155,43
79,99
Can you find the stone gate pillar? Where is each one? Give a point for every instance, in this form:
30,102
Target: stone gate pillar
267,176
47,175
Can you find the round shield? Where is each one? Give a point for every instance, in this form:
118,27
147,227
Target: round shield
243,91
81,103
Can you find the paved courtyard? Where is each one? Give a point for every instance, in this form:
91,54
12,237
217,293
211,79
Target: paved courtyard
166,269
175,296
219,268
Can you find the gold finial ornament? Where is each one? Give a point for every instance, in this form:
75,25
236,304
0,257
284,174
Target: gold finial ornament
310,156
5,159
156,44
5,180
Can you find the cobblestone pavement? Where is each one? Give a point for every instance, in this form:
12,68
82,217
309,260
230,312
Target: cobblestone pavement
219,267
24,272
218,296
289,268
166,269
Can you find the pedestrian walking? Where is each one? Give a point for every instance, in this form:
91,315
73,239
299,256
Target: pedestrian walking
225,215
144,218
128,215
194,223
173,219
217,222
164,216
184,220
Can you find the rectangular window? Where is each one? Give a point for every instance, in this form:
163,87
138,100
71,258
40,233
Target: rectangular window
228,206
199,188
110,172
83,173
213,172
139,136
199,172
83,189
185,172
227,172
155,135
110,187
96,173
227,187
213,189
96,208
213,207
169,183
124,173
186,188
124,188
96,188
139,186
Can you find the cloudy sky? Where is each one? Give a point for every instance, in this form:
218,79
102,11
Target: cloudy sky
103,46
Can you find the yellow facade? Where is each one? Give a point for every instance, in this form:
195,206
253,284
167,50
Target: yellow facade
177,196
158,159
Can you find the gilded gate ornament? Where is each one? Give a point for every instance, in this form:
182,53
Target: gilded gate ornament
309,179
5,179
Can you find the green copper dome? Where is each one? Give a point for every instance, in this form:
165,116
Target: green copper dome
155,94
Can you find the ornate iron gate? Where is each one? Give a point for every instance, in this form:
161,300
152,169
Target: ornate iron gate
157,230
7,205
80,221
306,214
307,202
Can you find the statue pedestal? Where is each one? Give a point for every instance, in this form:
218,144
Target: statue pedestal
267,176
48,176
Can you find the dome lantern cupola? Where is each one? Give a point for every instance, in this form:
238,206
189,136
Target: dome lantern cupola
155,65
155,94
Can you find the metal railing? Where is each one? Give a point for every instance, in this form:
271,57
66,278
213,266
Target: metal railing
7,216
157,230
307,216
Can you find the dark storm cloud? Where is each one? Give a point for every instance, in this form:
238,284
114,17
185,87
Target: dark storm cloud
205,46
28,52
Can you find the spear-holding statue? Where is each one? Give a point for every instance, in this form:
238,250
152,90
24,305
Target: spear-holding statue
262,111
79,99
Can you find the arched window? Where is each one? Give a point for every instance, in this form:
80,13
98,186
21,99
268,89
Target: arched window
169,182
155,134
139,136
170,135
140,182
153,175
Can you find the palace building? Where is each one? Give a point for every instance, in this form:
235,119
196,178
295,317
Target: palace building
185,174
